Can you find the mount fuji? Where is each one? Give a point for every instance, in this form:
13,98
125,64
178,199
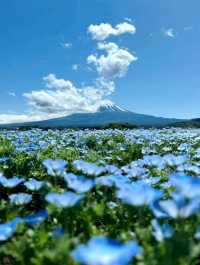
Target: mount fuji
106,114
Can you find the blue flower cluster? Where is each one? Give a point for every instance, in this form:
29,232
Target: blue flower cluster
100,197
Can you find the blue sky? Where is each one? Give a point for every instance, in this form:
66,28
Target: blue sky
164,81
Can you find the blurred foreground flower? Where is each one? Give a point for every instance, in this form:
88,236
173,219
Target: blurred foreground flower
67,199
138,194
7,230
55,167
10,183
20,198
176,207
36,218
160,232
103,251
79,184
34,185
88,168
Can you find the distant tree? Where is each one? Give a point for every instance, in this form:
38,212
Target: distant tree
119,126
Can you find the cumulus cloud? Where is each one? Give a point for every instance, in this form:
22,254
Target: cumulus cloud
62,97
104,30
53,82
114,64
169,33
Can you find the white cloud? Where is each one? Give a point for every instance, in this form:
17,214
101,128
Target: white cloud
53,82
15,118
169,32
114,64
61,97
104,30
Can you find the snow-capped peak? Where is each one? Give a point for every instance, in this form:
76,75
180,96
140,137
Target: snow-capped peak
109,106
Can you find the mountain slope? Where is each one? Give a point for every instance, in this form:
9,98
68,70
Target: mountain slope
107,114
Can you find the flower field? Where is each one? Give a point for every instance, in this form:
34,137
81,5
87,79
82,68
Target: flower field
100,197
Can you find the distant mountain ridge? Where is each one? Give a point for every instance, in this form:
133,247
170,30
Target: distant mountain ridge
193,123
105,115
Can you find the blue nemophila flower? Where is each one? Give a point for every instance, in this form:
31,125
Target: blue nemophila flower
136,172
135,169
10,183
79,184
55,167
189,168
7,230
154,161
113,169
186,185
138,194
150,180
172,160
20,198
37,218
34,185
176,207
112,180
88,168
160,232
184,147
103,251
67,199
